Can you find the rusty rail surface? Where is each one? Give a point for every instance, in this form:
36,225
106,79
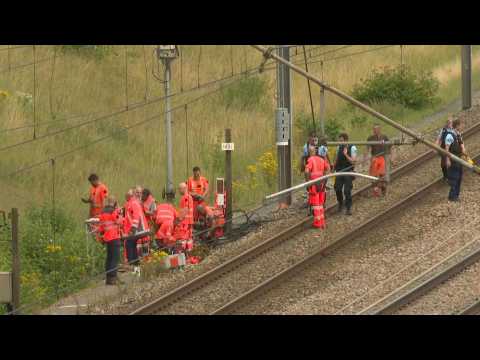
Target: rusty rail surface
473,309
259,249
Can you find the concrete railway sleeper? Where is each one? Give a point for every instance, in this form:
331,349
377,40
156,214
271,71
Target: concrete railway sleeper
254,252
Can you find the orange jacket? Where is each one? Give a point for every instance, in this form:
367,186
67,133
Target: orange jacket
186,209
197,186
110,224
316,166
149,206
165,212
97,196
134,216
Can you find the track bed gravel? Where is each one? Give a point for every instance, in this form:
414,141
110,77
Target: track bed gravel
348,275
143,292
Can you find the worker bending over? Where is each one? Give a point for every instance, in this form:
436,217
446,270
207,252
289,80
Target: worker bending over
165,217
149,206
454,144
209,223
377,164
447,129
315,168
110,231
344,162
98,194
198,188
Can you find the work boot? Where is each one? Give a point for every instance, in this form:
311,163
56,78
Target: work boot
348,212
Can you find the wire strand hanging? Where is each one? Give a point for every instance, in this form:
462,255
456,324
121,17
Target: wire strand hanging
126,77
146,73
198,66
34,94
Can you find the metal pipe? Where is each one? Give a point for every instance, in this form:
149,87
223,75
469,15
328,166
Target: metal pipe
168,133
367,109
311,182
361,143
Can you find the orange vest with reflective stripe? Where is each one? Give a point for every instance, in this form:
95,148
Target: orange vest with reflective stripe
97,195
316,166
165,212
110,223
186,202
197,186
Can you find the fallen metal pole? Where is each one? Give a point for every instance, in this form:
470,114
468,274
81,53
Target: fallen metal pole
360,143
311,182
367,109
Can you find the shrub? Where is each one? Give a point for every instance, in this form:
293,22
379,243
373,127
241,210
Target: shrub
398,85
246,94
332,128
304,124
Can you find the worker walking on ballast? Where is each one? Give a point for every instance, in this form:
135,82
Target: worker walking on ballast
454,144
448,129
315,168
345,158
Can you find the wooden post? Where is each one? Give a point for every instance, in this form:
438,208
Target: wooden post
228,182
15,262
387,163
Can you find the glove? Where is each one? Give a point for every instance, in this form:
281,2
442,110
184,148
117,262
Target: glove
85,201
133,231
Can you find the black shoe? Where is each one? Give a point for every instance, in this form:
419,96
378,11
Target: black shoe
348,212
111,281
340,207
454,200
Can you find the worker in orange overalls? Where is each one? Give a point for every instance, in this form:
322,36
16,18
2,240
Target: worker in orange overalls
165,218
135,222
98,194
316,167
377,164
209,219
198,189
110,233
149,206
183,231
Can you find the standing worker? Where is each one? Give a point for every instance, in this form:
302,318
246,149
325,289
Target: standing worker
110,231
98,194
447,129
454,144
344,161
134,223
198,188
184,229
377,164
149,206
316,167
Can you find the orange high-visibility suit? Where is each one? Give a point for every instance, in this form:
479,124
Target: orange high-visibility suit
183,231
135,218
98,195
165,217
197,187
316,167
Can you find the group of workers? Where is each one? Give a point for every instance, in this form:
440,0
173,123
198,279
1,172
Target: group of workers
141,220
316,163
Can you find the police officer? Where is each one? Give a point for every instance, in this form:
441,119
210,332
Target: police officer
454,144
448,128
345,158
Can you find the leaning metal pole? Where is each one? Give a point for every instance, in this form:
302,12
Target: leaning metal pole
311,182
170,193
366,108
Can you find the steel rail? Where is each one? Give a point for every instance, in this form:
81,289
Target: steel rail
472,309
423,288
366,108
250,254
321,253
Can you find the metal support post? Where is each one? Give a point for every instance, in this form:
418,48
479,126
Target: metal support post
15,262
228,182
170,191
322,111
387,163
466,77
284,147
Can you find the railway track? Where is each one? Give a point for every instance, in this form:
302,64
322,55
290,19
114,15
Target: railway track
424,283
472,309
251,254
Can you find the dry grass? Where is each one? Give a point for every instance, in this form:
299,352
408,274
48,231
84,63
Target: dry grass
80,85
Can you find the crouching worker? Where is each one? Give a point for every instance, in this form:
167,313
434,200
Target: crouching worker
110,232
209,224
165,218
315,168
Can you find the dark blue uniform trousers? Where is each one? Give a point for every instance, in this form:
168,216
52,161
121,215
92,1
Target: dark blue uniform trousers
455,174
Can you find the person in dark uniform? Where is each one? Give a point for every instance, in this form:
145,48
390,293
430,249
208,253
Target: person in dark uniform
454,144
447,129
345,158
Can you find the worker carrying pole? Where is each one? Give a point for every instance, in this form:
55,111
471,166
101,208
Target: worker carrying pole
269,54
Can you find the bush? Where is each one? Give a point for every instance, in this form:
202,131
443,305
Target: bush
398,85
303,122
246,94
332,129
